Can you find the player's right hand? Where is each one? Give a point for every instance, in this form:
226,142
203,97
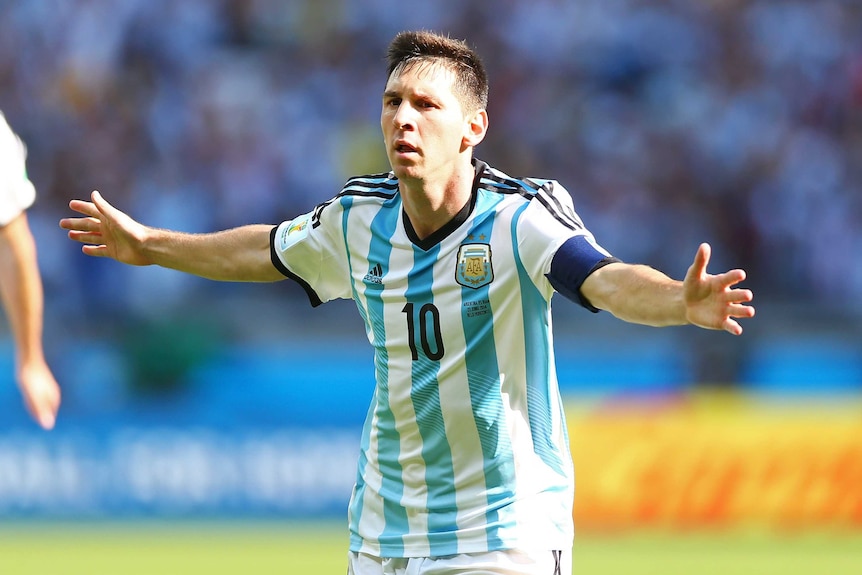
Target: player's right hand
106,231
41,392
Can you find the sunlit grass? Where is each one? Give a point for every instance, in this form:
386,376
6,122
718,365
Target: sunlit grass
720,554
227,548
234,548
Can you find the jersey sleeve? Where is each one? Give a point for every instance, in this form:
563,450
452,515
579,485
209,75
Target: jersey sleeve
310,250
16,190
558,251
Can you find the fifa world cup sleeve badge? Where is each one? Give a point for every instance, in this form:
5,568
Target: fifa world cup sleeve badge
293,232
474,268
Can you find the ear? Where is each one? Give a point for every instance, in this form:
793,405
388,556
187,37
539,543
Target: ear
475,128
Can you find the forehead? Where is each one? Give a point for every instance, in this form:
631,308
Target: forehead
427,76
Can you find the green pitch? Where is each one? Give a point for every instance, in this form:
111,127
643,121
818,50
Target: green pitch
232,548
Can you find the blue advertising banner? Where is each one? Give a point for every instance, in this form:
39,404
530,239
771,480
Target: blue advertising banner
176,471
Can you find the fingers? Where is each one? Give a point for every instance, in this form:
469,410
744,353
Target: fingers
701,259
727,318
737,310
99,251
739,296
86,231
46,421
93,208
101,203
44,411
720,304
731,278
84,207
41,396
86,237
734,297
713,301
46,415
91,223
97,198
103,208
732,326
81,224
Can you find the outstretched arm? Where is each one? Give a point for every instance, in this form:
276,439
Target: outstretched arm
641,294
239,254
22,296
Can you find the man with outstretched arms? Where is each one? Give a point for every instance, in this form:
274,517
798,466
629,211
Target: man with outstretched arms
464,464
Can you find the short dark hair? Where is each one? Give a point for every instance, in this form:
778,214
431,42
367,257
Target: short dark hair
471,81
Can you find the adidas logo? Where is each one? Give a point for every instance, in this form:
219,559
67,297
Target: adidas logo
374,275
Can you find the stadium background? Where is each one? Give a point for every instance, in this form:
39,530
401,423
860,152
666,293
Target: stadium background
186,401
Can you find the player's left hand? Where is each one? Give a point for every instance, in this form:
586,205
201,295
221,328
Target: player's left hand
712,301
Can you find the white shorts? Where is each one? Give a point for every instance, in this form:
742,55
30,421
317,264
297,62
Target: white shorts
511,562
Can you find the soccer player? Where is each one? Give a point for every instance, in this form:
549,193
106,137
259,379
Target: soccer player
21,283
464,464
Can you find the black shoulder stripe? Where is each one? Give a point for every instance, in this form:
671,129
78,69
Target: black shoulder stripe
361,186
374,178
558,210
503,185
556,213
531,190
382,185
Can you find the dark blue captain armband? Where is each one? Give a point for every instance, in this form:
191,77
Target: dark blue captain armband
574,261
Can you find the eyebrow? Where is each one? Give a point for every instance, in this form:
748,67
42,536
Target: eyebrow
422,95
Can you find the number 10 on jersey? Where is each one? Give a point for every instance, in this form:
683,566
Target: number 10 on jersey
427,337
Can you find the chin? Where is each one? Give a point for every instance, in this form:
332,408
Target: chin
406,172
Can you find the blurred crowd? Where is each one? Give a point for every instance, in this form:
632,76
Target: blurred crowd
730,121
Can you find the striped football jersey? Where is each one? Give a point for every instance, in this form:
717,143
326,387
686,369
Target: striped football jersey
16,190
465,447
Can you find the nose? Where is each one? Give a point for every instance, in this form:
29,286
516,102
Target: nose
403,117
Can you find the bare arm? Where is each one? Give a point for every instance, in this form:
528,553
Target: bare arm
239,254
640,294
22,295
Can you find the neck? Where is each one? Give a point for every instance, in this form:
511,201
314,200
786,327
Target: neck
431,205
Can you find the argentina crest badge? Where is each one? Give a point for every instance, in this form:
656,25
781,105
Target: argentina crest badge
474,268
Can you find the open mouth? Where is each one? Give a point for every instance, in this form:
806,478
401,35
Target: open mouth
403,148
